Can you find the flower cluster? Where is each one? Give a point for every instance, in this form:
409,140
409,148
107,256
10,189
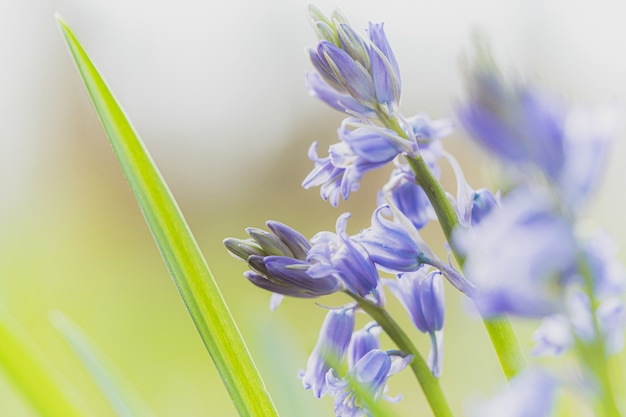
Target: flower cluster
514,253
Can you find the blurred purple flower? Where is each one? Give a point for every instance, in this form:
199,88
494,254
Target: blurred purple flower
520,257
530,394
330,349
371,373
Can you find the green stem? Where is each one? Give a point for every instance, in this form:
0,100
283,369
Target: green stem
430,385
593,353
500,330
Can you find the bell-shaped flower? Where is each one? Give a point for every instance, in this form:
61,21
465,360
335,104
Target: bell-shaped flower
345,258
337,67
482,203
363,148
330,349
366,70
422,295
389,244
408,197
277,260
363,341
384,69
370,373
340,101
521,256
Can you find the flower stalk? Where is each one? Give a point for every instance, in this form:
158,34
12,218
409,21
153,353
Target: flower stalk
500,330
429,384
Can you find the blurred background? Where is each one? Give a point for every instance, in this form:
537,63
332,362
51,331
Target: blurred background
216,91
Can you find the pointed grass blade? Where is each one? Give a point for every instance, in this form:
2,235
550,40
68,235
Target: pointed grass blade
178,247
32,374
121,395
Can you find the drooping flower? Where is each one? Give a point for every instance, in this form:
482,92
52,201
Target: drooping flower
330,349
389,244
344,258
521,256
407,196
370,373
362,148
421,293
363,341
277,260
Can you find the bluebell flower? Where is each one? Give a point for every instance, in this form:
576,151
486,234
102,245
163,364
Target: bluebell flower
408,197
366,70
343,257
422,295
521,256
520,124
326,175
277,260
390,245
527,127
340,101
384,69
529,394
363,341
483,202
330,349
371,373
363,148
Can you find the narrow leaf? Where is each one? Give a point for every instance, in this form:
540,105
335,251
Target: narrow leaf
32,373
122,396
178,247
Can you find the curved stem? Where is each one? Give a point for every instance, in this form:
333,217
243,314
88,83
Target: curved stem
430,385
500,329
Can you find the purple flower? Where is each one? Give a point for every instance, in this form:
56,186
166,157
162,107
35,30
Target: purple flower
389,244
343,72
519,124
340,101
277,260
330,349
363,341
408,197
422,296
328,176
528,128
521,256
348,64
530,394
482,204
361,150
384,68
371,373
343,257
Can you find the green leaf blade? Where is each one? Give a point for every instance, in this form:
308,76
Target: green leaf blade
122,396
177,245
32,373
